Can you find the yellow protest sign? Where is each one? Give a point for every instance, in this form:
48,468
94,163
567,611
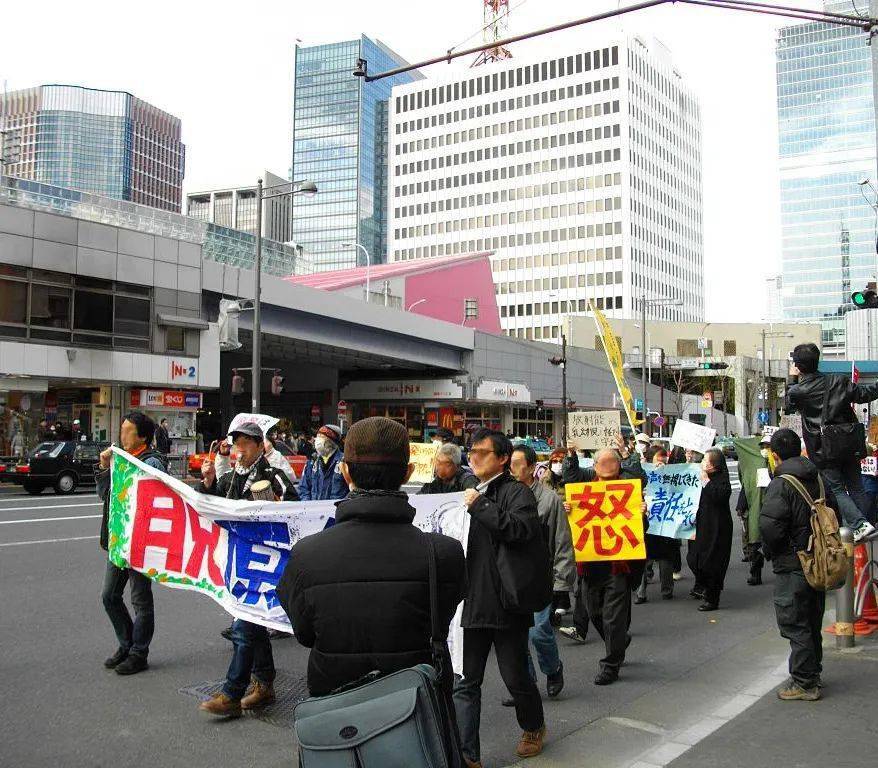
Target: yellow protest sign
606,520
422,455
614,358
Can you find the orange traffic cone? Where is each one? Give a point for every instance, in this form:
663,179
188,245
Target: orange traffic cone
868,622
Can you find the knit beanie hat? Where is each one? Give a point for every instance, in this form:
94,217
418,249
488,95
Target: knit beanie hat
330,431
377,440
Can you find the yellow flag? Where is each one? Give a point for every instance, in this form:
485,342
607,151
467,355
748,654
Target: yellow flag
614,358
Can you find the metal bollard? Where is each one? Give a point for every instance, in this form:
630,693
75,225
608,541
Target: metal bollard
844,597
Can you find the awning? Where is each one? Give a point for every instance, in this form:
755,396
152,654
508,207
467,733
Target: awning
178,321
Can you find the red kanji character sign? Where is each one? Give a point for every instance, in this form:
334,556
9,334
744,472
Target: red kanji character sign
606,520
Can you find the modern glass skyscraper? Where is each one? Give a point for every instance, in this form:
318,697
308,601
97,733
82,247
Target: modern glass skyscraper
826,124
104,142
340,142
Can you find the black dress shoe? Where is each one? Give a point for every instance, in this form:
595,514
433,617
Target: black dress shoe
705,606
116,659
696,595
132,665
555,683
508,702
227,633
606,677
755,580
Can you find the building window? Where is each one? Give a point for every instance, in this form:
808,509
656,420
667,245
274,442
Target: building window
50,306
175,339
470,309
687,347
93,311
730,348
132,316
13,302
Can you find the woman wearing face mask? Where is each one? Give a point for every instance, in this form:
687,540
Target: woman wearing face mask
322,477
710,552
579,630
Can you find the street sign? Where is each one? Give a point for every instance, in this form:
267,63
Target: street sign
659,421
342,407
638,404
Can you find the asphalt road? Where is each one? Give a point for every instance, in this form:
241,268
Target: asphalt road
62,707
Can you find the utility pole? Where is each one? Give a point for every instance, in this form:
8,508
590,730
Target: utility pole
873,33
643,361
662,386
257,304
564,385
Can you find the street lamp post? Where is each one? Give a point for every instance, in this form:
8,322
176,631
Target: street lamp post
644,302
562,362
368,263
266,193
766,370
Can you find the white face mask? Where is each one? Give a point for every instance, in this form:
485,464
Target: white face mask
556,468
324,446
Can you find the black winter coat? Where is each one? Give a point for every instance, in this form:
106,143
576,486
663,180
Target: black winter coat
231,484
357,593
785,518
711,550
506,512
162,440
460,482
806,398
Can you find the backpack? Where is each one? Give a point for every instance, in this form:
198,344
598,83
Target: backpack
824,561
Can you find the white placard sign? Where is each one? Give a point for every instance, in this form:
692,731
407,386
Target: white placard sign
693,436
792,421
264,423
590,430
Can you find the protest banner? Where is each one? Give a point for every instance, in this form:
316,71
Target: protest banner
672,494
617,365
869,466
693,436
606,520
232,551
792,421
422,455
590,430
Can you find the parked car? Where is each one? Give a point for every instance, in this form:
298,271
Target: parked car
295,460
62,465
541,447
727,446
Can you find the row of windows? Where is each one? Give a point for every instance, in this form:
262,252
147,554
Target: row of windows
551,308
511,78
559,283
557,259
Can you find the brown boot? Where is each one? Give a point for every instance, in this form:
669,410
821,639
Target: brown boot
531,743
221,706
258,695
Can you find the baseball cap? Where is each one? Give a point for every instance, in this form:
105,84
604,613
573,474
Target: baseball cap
249,428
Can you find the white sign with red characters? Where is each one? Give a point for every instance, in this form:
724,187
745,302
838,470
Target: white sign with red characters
165,398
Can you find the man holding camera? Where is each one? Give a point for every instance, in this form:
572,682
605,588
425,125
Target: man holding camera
833,437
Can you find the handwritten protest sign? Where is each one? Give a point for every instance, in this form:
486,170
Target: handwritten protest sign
265,423
693,436
869,466
768,431
590,430
672,494
606,520
232,551
792,421
422,455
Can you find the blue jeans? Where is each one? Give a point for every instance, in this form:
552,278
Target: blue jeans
870,486
133,636
252,656
542,637
846,482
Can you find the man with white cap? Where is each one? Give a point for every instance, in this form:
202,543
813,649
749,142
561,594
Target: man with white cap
322,477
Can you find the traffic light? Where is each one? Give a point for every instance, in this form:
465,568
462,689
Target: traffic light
557,360
277,384
712,366
867,299
539,404
237,382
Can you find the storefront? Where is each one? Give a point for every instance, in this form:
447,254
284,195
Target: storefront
179,407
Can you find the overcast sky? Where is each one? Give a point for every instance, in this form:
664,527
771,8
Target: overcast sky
225,68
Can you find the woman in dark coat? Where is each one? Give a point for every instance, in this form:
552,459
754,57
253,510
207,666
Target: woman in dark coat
709,554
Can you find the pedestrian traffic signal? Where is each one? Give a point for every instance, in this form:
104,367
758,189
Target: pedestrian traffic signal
712,366
867,299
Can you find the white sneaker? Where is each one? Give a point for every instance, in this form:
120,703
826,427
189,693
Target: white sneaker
865,531
678,576
572,633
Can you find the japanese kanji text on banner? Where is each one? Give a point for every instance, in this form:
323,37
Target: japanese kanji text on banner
672,495
614,358
422,455
590,430
606,520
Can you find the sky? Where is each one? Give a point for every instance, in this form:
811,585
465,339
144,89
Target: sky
225,68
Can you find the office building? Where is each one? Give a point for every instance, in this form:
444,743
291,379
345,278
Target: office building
581,172
826,124
340,142
107,143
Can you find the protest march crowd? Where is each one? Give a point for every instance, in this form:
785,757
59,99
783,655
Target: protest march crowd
400,618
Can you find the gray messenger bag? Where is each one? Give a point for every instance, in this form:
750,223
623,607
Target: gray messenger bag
396,721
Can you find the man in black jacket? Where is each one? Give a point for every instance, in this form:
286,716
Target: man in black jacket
252,654
503,512
807,398
449,476
606,587
357,593
785,525
163,438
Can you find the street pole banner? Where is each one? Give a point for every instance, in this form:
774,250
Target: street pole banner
606,520
693,436
591,430
422,455
614,358
233,551
672,494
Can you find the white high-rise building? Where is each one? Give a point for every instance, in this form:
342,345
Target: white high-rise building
582,173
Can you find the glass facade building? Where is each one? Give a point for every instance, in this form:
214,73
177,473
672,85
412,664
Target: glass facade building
826,125
107,143
340,142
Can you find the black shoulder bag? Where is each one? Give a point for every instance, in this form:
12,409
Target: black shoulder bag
840,442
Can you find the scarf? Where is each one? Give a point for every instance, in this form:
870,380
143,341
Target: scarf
250,472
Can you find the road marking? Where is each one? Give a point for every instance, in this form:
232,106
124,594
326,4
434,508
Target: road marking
49,519
49,506
640,725
46,541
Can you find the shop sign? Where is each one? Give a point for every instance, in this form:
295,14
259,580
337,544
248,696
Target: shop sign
411,389
502,391
182,370
165,398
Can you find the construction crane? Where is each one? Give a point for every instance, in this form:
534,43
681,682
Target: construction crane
496,18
